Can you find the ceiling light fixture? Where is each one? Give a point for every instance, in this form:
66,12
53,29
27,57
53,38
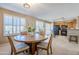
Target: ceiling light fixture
27,5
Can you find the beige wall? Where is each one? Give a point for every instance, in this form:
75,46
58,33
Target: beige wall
1,27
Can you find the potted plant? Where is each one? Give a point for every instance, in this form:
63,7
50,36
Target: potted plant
31,30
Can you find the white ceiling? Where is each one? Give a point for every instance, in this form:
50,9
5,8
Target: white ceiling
47,11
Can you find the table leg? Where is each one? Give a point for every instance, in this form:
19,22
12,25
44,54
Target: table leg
33,48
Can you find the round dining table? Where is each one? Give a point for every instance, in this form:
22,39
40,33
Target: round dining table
31,40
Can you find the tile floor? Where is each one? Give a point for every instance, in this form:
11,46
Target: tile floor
60,45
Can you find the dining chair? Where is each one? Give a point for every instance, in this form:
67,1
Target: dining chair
18,48
45,45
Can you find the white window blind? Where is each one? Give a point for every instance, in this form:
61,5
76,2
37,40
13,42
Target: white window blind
48,28
39,26
13,24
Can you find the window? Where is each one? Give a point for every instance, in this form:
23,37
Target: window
42,26
48,28
39,26
13,24
7,24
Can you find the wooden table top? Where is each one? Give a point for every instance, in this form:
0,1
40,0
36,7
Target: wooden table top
30,38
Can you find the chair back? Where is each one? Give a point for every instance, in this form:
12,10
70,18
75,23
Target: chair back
11,44
50,41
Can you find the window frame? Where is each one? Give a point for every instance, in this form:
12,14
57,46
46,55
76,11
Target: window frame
13,25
